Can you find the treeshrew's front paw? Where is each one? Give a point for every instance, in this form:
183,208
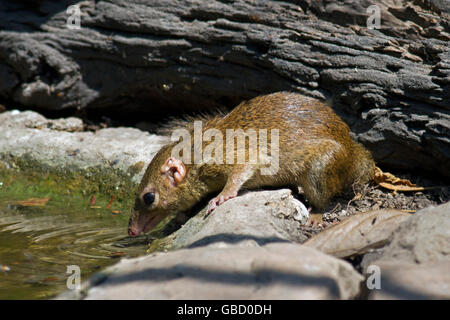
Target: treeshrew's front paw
217,201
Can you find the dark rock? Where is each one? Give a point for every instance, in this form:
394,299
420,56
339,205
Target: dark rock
391,85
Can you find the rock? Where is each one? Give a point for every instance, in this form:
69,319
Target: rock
359,233
415,263
390,84
70,124
402,280
262,216
423,238
28,134
25,119
31,119
273,271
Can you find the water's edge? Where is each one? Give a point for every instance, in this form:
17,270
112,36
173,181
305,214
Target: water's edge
69,168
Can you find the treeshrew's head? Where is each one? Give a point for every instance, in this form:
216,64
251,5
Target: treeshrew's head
162,191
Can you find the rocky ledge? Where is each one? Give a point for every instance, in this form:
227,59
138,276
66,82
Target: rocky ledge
409,263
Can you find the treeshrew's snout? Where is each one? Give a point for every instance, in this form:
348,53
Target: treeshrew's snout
141,223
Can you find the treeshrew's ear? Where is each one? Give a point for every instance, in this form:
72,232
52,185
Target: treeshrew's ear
175,170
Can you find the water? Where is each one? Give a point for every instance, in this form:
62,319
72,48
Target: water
37,243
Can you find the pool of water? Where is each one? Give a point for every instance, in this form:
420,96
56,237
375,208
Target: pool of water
37,243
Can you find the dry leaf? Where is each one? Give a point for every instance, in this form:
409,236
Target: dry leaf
357,197
51,279
391,182
117,254
5,268
359,233
110,202
409,211
33,202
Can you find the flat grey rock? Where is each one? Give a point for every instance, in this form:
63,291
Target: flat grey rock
423,238
401,280
262,216
273,271
416,262
358,234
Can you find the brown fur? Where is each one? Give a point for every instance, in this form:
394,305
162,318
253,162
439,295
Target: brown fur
316,152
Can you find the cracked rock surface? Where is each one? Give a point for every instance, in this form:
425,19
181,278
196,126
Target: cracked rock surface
391,85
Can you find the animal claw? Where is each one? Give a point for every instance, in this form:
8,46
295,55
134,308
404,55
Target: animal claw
217,201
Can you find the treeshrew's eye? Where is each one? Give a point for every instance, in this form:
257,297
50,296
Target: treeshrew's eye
149,198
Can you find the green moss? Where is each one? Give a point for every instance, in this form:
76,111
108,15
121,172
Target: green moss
163,244
24,178
66,181
97,234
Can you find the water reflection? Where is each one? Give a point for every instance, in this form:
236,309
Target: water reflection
38,243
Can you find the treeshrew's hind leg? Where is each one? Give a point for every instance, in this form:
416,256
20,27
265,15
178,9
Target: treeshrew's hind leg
315,219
